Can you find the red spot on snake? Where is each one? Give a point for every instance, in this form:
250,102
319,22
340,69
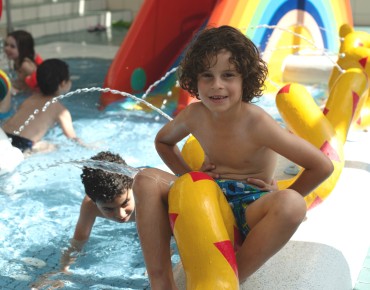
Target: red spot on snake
315,203
227,250
355,98
329,151
196,176
284,89
173,217
363,61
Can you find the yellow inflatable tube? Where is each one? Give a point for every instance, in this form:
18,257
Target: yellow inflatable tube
326,130
354,53
205,231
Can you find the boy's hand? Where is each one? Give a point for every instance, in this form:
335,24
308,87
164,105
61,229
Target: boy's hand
208,167
263,185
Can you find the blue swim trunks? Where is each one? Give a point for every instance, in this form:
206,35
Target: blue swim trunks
20,142
239,195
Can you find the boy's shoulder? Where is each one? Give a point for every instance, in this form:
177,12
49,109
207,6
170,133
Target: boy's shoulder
88,207
254,110
195,106
36,101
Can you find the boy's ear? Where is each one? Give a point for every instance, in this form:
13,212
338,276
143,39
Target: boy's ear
62,85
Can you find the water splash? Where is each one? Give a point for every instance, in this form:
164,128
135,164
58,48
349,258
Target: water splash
89,90
111,167
324,52
158,81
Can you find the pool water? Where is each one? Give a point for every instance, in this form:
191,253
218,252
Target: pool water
40,202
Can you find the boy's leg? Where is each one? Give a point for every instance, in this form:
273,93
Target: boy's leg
151,187
273,219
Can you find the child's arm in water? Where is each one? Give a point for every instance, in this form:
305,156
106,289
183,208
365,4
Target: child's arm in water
81,235
65,122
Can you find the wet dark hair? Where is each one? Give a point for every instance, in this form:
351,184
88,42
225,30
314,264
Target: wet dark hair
50,74
25,45
101,185
244,55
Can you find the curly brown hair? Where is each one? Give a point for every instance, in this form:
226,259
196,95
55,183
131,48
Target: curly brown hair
104,185
244,55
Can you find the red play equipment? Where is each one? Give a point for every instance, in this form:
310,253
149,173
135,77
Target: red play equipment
153,43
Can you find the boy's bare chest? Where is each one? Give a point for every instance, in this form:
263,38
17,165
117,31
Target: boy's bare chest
229,144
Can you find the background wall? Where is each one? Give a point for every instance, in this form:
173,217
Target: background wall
361,12
49,17
133,5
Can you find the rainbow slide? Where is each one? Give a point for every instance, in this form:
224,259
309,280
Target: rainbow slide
163,28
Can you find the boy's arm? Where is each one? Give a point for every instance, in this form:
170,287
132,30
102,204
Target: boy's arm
65,122
85,223
317,166
166,143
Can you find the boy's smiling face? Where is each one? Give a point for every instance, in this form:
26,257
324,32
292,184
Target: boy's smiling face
220,86
120,209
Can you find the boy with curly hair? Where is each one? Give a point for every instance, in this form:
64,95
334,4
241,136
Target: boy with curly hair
108,195
224,70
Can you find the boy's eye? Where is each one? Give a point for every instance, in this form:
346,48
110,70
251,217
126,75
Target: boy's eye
124,204
108,209
229,74
206,75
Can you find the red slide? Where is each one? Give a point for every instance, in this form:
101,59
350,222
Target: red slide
154,42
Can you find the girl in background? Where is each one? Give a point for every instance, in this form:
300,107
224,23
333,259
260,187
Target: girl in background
19,48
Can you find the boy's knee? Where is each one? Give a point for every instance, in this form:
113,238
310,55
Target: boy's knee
292,206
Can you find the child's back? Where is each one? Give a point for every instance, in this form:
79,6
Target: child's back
38,127
53,79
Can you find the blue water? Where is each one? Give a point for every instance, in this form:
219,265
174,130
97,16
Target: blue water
40,202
